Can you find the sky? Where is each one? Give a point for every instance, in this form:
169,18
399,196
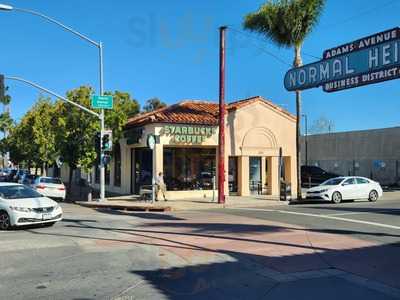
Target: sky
169,49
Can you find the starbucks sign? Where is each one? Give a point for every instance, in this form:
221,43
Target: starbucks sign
189,134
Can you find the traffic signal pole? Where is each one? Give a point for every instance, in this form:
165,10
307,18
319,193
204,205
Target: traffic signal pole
102,165
99,45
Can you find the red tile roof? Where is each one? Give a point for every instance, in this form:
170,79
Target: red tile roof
195,112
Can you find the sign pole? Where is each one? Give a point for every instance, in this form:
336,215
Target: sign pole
221,141
102,166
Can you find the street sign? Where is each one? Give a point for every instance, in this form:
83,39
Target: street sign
104,102
365,61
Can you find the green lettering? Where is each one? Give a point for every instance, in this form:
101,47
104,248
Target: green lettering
190,130
167,130
177,130
184,130
197,130
203,131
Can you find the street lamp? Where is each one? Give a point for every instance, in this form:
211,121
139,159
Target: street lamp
99,45
306,137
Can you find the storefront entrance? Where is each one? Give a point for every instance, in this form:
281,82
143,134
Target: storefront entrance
142,168
255,174
233,175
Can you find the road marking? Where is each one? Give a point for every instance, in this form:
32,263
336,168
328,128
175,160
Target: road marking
331,217
346,214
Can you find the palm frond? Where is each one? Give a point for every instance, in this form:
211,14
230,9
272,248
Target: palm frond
285,22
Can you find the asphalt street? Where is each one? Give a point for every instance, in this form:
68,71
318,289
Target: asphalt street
378,221
308,251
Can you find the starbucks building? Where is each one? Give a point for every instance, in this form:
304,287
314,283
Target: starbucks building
181,141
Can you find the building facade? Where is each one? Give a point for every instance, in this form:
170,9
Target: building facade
186,150
371,153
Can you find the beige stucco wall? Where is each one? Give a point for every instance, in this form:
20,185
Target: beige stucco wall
259,130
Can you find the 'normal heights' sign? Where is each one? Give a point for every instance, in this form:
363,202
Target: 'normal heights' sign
368,60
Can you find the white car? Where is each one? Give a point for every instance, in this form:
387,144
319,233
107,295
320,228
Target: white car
346,188
21,205
50,187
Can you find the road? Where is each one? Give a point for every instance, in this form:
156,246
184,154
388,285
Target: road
346,251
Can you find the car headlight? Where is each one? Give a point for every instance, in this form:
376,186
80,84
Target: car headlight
323,191
22,209
57,207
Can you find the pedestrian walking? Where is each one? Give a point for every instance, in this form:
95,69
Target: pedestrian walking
160,186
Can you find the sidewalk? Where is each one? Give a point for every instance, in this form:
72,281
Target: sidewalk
134,204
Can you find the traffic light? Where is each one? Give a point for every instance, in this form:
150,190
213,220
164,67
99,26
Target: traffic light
106,159
106,141
2,87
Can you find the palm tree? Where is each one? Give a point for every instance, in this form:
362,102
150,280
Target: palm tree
287,23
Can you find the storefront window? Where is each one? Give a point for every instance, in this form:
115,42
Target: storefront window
189,168
117,165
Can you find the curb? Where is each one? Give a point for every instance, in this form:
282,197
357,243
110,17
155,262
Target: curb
143,208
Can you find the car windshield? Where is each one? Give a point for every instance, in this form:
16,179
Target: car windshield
333,181
18,192
50,180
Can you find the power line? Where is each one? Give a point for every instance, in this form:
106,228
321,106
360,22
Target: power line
263,40
363,13
263,49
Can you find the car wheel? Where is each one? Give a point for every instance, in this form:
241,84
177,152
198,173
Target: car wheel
5,222
373,196
336,197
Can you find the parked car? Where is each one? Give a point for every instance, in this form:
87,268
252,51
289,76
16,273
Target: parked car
27,179
346,188
21,205
50,187
313,175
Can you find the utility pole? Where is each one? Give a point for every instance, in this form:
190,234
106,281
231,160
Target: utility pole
306,138
221,137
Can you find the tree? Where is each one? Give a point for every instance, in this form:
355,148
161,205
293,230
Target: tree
153,104
76,130
44,123
6,122
32,141
322,125
124,107
287,23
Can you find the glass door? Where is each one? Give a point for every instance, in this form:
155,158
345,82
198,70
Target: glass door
255,174
143,167
233,175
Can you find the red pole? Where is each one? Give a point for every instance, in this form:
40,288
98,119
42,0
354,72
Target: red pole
221,140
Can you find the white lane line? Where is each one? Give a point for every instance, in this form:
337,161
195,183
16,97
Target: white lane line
325,217
346,214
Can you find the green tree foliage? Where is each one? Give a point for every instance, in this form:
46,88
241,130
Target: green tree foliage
50,129
33,139
124,107
287,23
76,130
153,104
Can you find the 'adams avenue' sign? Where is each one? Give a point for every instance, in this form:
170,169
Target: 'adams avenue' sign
368,60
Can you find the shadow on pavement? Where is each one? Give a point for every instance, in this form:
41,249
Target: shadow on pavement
232,272
143,215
